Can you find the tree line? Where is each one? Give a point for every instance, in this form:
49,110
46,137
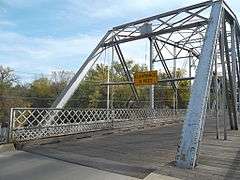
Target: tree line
42,91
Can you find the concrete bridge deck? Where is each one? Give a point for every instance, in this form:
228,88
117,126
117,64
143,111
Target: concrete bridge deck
139,153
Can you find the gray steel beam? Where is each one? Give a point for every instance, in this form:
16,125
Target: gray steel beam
223,96
175,96
234,70
188,38
69,90
238,62
229,12
151,66
126,71
171,59
187,152
159,53
159,81
238,67
225,84
156,33
190,64
177,79
216,88
164,64
116,83
232,17
207,3
178,46
238,59
230,78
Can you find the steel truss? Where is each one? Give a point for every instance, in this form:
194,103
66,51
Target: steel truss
209,33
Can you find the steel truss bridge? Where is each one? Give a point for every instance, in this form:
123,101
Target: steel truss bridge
207,33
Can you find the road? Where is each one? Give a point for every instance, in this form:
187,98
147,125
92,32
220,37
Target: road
26,166
124,155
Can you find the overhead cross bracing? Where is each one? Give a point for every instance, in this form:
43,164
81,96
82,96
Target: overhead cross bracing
208,34
179,29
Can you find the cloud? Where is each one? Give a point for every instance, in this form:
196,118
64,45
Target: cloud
21,3
75,27
5,23
41,54
106,9
34,54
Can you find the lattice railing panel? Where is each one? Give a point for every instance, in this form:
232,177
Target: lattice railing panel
27,124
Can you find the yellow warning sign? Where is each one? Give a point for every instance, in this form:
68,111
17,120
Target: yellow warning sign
146,78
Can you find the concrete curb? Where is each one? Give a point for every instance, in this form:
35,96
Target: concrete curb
7,147
154,176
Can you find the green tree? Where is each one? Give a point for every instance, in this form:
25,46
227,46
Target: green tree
59,80
90,94
9,93
42,93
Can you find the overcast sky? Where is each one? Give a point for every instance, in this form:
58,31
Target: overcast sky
38,36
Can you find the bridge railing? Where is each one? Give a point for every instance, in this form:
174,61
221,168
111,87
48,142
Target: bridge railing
3,134
37,123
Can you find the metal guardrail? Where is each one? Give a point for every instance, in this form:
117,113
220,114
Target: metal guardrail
37,123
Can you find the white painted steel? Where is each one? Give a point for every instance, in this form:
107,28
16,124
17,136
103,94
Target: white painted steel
30,123
234,70
187,152
67,93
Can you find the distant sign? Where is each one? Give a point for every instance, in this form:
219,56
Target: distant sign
146,78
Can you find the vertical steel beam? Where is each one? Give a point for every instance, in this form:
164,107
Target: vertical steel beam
190,63
238,56
187,152
230,78
108,87
69,90
151,65
238,67
112,71
216,88
223,107
175,95
234,69
225,84
226,99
